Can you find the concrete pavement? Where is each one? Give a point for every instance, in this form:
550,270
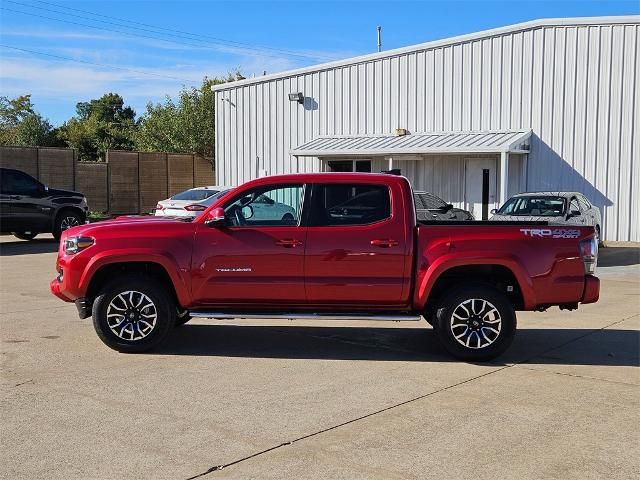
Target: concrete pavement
284,399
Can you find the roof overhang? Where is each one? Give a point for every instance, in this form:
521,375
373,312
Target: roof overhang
505,141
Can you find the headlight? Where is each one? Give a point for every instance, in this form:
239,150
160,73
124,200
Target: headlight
73,245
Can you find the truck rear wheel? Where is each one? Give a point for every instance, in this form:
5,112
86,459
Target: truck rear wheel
476,323
133,314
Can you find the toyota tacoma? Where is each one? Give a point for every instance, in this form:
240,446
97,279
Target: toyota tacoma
353,250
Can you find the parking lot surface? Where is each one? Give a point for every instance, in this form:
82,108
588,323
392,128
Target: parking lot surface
300,399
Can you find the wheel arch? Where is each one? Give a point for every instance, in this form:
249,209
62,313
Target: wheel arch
66,208
494,274
99,273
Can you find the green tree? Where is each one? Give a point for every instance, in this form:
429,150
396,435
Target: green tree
99,125
182,126
34,130
21,125
12,113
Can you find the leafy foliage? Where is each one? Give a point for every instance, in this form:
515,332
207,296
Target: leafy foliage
100,125
182,126
20,125
35,130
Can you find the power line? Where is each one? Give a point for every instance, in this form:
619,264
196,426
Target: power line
163,31
142,72
102,28
190,34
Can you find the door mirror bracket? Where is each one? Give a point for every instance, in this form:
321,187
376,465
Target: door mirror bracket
215,217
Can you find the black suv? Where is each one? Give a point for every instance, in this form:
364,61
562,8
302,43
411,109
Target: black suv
27,207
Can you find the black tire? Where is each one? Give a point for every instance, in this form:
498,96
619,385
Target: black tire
480,326
63,219
288,219
182,317
165,311
25,235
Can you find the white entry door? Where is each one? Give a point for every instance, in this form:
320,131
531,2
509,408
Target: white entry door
473,181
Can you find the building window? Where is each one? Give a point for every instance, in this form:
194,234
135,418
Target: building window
363,166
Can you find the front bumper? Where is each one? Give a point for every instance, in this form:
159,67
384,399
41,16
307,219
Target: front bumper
591,291
55,286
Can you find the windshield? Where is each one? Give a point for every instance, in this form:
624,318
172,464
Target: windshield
199,194
534,206
428,201
213,198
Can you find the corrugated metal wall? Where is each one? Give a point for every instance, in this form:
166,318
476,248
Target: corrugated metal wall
574,85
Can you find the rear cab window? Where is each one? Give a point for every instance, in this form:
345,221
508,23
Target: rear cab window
338,204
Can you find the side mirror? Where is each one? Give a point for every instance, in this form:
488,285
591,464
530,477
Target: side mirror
493,211
215,217
247,212
574,213
448,207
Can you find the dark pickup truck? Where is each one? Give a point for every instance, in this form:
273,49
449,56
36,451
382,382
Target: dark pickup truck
354,250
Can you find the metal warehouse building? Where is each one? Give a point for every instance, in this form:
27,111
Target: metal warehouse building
542,105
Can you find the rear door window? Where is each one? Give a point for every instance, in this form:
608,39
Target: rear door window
349,204
574,207
584,203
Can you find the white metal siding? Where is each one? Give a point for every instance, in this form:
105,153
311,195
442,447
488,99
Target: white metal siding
575,85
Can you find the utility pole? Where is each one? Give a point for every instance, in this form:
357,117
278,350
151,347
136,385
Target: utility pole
379,38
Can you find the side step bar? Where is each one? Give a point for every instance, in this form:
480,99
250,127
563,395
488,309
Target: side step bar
307,316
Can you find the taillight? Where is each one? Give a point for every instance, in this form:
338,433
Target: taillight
589,254
159,207
195,208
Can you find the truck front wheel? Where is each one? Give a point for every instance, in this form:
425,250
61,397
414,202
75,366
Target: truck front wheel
133,314
476,323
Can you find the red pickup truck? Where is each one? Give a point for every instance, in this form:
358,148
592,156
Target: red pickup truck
349,247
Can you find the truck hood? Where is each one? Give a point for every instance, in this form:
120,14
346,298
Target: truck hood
120,225
58,192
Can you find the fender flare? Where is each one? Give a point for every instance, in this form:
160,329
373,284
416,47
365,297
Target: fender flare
429,277
137,255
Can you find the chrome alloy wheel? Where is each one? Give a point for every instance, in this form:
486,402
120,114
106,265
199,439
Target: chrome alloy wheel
476,323
68,222
131,315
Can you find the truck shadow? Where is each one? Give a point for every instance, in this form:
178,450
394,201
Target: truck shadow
22,247
547,346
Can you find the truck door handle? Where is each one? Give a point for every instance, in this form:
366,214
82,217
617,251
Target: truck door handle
14,197
289,242
384,242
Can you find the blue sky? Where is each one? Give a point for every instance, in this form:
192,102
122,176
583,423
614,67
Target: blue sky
162,45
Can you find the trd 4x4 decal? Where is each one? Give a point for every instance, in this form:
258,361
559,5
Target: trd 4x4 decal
550,232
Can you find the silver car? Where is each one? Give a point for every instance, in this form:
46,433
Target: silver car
571,208
189,203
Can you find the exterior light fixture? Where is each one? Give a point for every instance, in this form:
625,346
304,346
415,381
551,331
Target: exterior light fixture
296,97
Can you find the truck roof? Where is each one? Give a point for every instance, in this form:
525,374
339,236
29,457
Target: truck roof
327,177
